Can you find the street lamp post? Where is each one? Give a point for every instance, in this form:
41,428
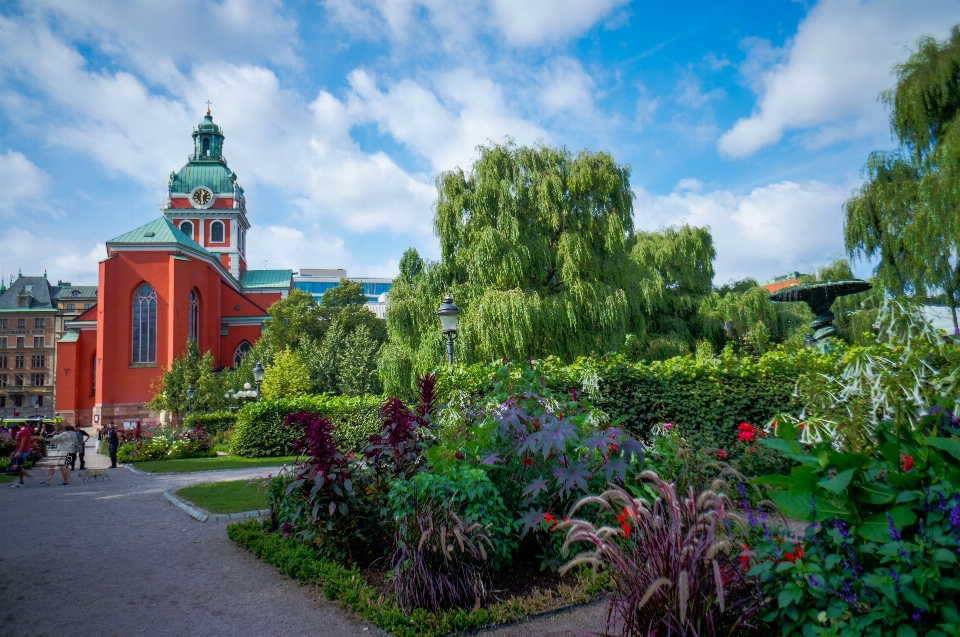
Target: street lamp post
258,376
449,316
189,399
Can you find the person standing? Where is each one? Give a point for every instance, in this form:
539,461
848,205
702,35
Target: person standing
21,451
82,437
113,443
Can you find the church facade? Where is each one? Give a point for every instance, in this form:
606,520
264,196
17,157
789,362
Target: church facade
181,277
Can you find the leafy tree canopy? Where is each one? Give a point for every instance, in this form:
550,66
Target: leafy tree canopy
190,370
411,265
287,377
535,248
907,212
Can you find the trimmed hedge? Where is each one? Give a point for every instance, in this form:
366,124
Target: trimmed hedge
214,424
259,430
705,398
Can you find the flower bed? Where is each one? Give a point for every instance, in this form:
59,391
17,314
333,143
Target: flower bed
142,444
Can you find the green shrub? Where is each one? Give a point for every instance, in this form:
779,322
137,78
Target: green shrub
260,432
214,424
704,398
167,445
475,499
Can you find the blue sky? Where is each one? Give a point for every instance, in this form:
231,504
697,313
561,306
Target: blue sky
753,117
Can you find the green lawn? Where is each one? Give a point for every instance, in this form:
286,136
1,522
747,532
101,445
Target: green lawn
208,464
227,497
5,478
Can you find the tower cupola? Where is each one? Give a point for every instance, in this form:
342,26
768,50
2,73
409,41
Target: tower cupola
207,140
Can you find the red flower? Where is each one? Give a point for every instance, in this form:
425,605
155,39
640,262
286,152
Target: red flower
459,455
906,462
721,455
626,529
527,461
793,556
747,433
549,519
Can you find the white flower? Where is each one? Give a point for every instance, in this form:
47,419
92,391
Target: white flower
822,617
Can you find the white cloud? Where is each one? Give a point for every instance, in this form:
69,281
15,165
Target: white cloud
774,229
529,23
21,250
445,124
282,247
23,186
158,36
690,91
832,71
539,22
567,88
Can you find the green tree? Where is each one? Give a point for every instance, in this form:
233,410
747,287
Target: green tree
357,372
292,319
190,370
678,266
535,250
287,377
907,212
411,265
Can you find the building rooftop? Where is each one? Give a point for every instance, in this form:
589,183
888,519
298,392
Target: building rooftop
28,293
259,279
75,292
158,231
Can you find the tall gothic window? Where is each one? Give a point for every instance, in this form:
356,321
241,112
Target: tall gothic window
242,350
93,375
145,325
216,232
194,332
187,228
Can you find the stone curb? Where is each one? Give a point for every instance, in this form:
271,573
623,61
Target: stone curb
203,516
183,473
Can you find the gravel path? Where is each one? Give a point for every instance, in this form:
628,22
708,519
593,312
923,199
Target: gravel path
115,558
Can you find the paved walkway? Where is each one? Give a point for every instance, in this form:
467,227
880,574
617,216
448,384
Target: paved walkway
115,558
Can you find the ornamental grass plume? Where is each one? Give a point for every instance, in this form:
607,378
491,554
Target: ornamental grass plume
676,570
440,559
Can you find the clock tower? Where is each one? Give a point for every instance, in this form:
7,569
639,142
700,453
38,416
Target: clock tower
205,202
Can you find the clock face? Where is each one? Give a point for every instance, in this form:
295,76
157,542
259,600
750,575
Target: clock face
201,197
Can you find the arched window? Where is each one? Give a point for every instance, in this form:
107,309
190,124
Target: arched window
242,350
194,332
145,325
216,232
187,228
93,376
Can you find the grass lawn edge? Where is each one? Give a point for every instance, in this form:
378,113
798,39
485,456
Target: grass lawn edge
191,465
225,495
347,587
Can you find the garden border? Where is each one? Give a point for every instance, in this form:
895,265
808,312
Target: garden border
205,516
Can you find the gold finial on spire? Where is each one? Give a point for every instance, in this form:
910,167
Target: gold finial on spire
208,107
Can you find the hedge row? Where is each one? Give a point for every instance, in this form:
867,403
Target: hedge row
705,398
214,424
259,429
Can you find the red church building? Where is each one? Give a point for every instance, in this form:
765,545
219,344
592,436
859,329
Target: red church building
180,277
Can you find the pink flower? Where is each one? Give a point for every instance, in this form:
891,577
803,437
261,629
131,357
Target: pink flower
667,425
722,455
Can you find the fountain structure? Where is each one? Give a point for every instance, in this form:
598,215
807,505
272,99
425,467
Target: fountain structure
820,297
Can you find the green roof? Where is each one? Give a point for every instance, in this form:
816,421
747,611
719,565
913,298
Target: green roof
266,279
213,174
70,337
158,231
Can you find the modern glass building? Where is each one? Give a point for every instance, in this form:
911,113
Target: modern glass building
317,281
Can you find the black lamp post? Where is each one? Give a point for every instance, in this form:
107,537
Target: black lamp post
449,315
189,399
258,376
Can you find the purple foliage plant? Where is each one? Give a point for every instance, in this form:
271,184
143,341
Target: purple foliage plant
672,561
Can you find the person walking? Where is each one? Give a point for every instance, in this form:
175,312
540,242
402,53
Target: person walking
82,437
66,442
113,443
21,451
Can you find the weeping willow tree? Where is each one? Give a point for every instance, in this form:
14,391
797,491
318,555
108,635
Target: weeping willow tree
907,212
678,264
535,248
